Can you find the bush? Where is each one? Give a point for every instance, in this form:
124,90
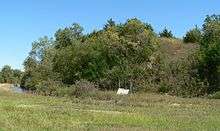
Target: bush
105,95
164,88
49,88
193,36
83,88
215,95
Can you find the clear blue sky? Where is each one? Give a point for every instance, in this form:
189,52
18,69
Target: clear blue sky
23,21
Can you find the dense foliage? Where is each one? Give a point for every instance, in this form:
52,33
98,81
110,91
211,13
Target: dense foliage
112,57
127,55
193,36
210,53
9,75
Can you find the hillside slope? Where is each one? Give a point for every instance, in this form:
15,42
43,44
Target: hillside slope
174,49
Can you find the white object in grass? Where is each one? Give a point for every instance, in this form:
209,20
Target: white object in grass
122,91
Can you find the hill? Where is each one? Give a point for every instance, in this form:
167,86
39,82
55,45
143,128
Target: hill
176,49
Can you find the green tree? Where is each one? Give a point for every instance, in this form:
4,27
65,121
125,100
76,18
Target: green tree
1,78
166,33
67,36
38,67
103,53
17,74
210,52
39,48
7,74
110,23
193,36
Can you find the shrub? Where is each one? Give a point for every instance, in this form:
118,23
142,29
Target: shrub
215,95
49,88
105,95
164,88
83,88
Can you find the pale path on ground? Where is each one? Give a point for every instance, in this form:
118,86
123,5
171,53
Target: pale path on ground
5,87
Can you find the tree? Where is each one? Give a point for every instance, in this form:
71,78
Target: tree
38,67
149,27
210,52
39,48
193,36
1,78
17,74
67,36
137,32
166,33
7,74
110,23
106,52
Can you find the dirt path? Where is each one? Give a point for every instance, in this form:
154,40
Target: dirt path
5,87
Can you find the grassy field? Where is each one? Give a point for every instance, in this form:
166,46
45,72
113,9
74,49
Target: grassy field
134,112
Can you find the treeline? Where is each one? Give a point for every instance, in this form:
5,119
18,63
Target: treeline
9,75
123,55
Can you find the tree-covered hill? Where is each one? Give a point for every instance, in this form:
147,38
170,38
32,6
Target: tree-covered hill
127,55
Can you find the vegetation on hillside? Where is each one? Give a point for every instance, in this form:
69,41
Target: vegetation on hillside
193,36
9,75
127,55
209,68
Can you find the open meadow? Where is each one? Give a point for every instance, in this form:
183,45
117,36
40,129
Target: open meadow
133,112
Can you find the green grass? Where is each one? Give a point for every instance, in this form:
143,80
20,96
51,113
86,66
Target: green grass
134,112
